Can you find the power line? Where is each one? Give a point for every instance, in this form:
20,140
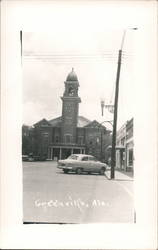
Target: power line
74,58
57,55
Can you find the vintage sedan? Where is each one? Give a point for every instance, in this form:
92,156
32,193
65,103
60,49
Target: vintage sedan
25,157
79,163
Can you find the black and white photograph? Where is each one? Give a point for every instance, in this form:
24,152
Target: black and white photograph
79,124
77,163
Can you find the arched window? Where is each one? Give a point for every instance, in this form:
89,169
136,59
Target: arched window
71,91
68,138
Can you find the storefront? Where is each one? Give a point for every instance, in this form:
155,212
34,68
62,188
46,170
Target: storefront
129,156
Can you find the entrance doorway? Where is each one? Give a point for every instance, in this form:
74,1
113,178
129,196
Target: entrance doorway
66,152
76,151
56,153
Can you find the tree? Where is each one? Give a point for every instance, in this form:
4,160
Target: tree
26,140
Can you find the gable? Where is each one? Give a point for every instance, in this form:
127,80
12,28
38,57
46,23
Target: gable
42,123
95,124
56,122
82,122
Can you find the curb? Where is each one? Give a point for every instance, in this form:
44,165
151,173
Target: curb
118,176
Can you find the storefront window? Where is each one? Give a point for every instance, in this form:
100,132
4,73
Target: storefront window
130,159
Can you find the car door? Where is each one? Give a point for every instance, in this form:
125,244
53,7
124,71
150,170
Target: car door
85,163
93,164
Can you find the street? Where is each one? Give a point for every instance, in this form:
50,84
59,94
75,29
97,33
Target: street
50,196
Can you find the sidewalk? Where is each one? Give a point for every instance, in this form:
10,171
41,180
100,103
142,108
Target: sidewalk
121,176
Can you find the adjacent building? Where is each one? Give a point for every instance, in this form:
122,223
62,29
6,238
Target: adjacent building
129,145
69,133
124,147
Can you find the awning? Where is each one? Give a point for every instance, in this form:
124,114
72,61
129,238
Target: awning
118,147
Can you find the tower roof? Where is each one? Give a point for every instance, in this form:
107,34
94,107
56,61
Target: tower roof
72,76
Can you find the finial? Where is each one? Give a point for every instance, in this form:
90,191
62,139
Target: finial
72,69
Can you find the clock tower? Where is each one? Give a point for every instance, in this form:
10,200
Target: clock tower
70,107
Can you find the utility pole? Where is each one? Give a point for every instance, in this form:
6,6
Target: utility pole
113,150
101,143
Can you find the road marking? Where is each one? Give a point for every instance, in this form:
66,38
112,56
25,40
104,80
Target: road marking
126,189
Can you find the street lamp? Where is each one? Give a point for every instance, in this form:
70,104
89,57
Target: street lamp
110,107
113,151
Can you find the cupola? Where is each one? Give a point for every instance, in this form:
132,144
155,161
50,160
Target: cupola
72,76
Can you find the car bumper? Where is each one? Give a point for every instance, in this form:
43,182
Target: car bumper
64,167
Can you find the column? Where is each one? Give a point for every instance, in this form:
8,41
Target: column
127,159
80,150
60,154
51,153
48,154
72,150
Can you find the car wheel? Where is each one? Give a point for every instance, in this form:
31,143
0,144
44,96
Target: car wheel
102,171
65,171
79,171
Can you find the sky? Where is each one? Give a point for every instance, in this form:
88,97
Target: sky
48,58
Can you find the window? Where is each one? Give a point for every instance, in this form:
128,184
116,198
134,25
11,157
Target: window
68,138
80,140
45,134
92,158
97,140
56,138
123,141
91,139
73,157
130,159
71,91
85,158
129,133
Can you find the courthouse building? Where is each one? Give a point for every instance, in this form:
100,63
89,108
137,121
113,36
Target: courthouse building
70,133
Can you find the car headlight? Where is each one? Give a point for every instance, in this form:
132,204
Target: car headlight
61,164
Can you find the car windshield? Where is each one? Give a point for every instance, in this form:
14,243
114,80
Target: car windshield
73,157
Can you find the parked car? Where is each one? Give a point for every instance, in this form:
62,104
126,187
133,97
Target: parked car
25,157
31,157
40,158
37,158
82,163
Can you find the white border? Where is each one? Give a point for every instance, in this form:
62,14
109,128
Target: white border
35,15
